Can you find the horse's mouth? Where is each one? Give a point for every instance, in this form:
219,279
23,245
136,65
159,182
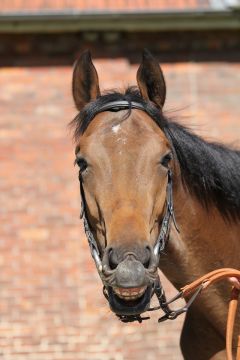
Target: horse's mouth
129,301
129,294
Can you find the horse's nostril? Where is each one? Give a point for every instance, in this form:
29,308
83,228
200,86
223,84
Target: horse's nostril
113,260
148,255
146,264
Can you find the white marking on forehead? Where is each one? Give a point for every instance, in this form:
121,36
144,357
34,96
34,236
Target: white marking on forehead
116,128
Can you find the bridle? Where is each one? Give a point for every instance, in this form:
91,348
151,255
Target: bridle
162,239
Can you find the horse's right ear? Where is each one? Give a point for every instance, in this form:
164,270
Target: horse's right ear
85,86
150,80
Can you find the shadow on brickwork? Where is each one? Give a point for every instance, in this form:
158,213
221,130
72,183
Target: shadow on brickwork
63,48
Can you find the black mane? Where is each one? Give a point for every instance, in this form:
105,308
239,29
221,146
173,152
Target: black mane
209,170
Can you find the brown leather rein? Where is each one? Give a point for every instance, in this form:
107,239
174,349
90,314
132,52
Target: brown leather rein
204,282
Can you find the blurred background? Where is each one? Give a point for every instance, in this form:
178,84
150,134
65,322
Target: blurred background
51,303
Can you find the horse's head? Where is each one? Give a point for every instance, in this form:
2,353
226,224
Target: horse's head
124,159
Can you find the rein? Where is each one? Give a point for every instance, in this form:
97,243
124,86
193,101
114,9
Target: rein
193,289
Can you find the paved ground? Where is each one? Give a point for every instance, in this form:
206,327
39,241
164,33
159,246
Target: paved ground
51,306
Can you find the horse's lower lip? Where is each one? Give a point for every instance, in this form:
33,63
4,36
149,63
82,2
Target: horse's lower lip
123,306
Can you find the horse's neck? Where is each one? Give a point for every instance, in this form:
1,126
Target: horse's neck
205,242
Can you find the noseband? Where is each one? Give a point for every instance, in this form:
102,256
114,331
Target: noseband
163,236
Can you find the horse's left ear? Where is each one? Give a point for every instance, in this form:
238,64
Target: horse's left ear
150,80
85,85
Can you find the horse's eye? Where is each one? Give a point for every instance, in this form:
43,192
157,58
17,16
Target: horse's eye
81,163
166,159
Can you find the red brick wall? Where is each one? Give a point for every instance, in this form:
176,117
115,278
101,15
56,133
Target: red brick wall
102,5
51,305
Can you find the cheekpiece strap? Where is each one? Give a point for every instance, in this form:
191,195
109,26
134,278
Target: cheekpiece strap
165,228
90,237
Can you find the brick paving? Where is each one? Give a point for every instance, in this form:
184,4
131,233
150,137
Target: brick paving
51,303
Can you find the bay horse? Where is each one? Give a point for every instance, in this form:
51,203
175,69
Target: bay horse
154,194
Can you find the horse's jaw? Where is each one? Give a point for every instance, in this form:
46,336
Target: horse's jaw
121,306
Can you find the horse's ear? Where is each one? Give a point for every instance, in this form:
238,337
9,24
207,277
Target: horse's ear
85,86
150,80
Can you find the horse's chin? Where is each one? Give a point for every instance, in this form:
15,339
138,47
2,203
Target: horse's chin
129,306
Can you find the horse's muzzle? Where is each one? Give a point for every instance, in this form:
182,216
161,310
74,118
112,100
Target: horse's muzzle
130,273
130,285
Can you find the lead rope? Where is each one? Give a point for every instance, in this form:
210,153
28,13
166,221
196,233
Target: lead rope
230,324
238,349
204,282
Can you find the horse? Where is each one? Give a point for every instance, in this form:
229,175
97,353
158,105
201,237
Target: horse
155,195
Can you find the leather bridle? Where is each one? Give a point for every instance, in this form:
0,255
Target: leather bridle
162,237
169,213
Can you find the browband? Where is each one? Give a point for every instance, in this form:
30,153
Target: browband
119,105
